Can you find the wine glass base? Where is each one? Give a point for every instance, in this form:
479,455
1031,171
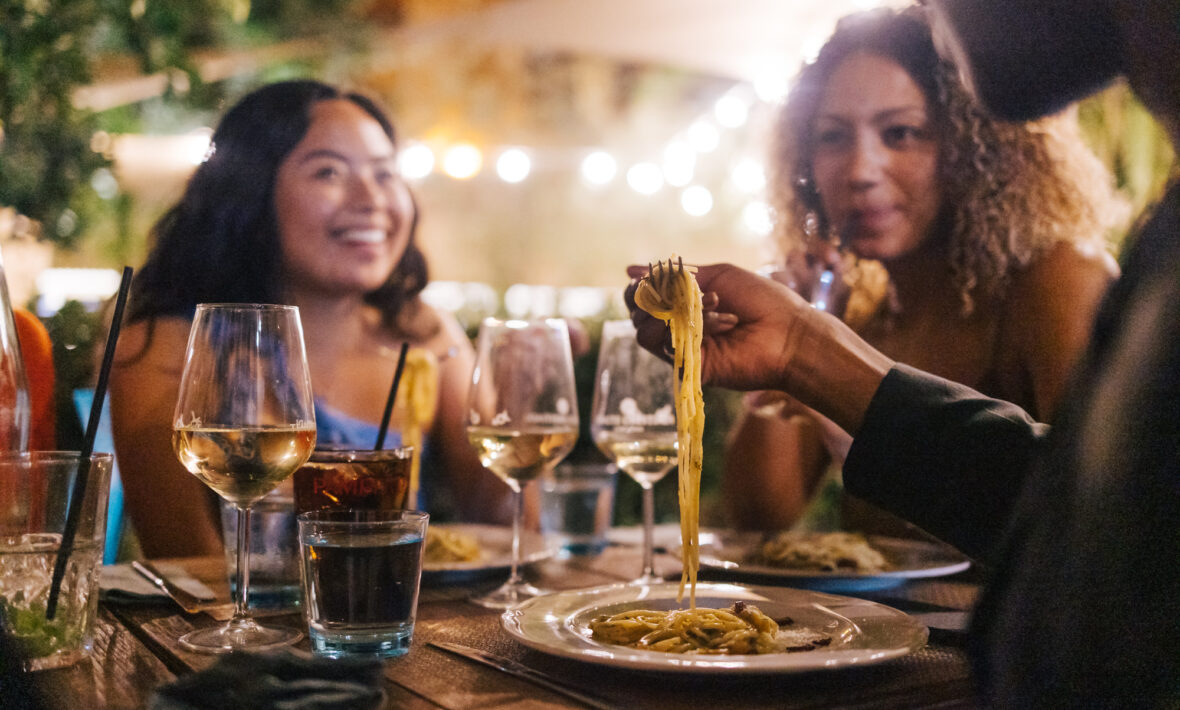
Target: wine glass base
241,635
508,595
648,579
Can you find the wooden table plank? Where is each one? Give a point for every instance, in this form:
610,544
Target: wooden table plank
121,672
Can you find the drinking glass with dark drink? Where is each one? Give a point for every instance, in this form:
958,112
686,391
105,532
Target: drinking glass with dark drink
244,422
522,418
361,570
357,479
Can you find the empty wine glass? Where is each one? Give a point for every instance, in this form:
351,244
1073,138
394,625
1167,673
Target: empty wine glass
244,422
633,420
522,418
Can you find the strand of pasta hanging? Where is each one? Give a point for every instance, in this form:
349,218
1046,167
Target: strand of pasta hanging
670,292
421,388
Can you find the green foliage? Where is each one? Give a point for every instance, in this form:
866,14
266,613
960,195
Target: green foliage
46,160
160,35
1132,145
45,156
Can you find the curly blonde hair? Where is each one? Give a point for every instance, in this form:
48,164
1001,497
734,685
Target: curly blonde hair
1011,190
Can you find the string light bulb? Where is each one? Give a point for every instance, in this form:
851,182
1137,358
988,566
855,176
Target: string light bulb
462,161
599,168
513,165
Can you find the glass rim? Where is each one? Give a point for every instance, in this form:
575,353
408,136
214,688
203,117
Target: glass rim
358,517
246,307
495,321
343,453
53,455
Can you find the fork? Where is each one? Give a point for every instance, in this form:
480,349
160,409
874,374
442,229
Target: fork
660,275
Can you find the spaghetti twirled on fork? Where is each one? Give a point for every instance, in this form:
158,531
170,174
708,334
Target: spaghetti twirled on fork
670,292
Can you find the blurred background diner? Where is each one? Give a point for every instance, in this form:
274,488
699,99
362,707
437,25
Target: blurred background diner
547,144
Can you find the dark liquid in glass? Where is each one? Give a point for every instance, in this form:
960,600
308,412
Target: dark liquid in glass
364,581
372,481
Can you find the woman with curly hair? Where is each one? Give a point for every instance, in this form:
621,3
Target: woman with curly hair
968,247
299,202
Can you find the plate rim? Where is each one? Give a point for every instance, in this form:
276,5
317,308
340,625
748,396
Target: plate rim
643,660
768,571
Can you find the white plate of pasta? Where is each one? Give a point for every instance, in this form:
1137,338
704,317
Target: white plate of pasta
834,562
458,552
809,631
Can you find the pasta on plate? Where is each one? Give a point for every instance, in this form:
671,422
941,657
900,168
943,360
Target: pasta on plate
444,545
826,552
741,629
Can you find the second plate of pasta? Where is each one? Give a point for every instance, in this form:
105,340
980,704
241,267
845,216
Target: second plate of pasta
830,562
460,552
812,630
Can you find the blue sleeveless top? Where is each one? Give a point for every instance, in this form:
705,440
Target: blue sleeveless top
335,427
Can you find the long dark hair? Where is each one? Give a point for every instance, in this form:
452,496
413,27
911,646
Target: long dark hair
220,242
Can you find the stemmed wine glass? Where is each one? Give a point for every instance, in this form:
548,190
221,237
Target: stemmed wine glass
522,418
244,422
633,419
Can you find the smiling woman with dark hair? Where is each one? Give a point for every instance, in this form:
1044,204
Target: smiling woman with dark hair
299,202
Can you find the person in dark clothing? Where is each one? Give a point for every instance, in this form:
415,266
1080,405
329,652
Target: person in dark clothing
1079,522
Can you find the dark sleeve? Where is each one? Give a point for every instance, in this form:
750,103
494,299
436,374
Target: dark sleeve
944,457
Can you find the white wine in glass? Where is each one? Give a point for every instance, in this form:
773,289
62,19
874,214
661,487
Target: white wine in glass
244,422
633,420
522,418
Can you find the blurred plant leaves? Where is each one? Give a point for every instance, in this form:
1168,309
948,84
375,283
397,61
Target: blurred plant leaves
1132,145
46,50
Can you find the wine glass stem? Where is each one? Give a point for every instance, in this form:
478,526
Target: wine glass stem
649,524
243,571
517,516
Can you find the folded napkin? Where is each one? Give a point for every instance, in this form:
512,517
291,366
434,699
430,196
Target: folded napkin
282,680
121,583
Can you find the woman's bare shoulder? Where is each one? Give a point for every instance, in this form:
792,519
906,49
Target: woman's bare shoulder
1065,272
158,343
442,329
1049,315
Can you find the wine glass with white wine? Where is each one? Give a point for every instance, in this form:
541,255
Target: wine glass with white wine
633,420
522,418
244,422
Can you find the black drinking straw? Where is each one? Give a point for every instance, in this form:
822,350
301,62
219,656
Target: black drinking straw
397,378
79,492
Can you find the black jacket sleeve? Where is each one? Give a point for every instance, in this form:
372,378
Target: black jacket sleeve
944,457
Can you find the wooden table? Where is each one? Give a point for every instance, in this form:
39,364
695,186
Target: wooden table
136,652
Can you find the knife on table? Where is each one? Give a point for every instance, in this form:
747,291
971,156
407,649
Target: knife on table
523,672
188,601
